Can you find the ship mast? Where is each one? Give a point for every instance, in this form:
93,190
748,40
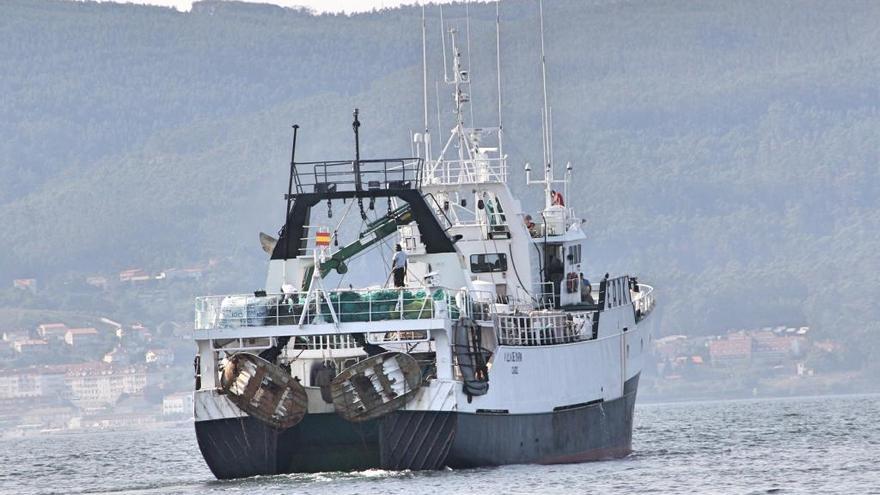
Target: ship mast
469,154
546,130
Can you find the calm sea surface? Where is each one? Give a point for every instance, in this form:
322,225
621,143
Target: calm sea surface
807,445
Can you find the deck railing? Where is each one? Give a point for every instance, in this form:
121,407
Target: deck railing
544,328
347,175
324,343
480,170
349,306
643,301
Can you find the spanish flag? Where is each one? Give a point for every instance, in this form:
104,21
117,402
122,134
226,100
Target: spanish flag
322,239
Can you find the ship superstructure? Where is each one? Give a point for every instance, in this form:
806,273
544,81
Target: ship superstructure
494,352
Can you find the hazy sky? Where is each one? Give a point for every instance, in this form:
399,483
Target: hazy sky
318,5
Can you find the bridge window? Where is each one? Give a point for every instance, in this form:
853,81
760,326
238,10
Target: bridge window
574,254
488,263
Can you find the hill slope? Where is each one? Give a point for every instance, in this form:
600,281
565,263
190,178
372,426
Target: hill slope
727,150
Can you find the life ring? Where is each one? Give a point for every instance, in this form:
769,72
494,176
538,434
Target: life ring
571,282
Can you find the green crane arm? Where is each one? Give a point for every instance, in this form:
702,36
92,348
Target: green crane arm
375,232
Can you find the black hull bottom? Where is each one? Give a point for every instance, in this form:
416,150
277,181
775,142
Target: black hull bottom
237,448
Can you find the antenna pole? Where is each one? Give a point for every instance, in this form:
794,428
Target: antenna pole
426,137
550,134
467,24
357,151
548,160
498,65
355,125
443,43
439,125
545,123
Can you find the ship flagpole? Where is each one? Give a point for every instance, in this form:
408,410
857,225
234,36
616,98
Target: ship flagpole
498,71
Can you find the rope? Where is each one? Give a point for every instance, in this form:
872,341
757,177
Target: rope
344,214
363,222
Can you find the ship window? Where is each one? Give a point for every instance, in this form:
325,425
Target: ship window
488,263
574,254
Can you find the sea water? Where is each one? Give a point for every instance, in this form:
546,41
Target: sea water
799,445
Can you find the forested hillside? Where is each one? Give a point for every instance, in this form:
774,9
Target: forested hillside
727,151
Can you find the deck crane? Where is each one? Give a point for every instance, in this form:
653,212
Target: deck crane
375,232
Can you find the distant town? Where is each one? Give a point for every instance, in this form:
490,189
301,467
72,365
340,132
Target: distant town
777,360
111,374
106,374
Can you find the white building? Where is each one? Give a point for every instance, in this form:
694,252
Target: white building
31,383
178,404
99,385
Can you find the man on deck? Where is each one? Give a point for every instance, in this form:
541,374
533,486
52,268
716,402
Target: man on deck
398,267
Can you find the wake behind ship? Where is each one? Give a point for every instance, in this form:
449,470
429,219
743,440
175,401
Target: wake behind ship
494,350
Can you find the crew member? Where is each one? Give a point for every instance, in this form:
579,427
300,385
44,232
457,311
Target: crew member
556,272
556,198
586,291
530,226
398,267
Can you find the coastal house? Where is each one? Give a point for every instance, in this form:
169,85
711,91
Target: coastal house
81,336
27,284
13,335
189,273
52,330
98,385
178,404
33,382
159,357
30,346
734,349
134,275
117,356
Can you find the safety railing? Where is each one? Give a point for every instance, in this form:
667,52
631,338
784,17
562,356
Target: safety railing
478,171
405,337
347,175
544,328
643,301
544,294
551,222
324,343
349,306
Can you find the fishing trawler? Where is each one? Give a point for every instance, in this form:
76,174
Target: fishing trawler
494,350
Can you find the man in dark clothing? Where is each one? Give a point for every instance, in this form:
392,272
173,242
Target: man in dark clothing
556,272
398,267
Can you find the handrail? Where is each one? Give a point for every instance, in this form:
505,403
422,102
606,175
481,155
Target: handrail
540,328
643,301
479,170
349,305
391,173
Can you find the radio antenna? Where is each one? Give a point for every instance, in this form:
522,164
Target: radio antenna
498,71
467,24
427,137
548,164
443,43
